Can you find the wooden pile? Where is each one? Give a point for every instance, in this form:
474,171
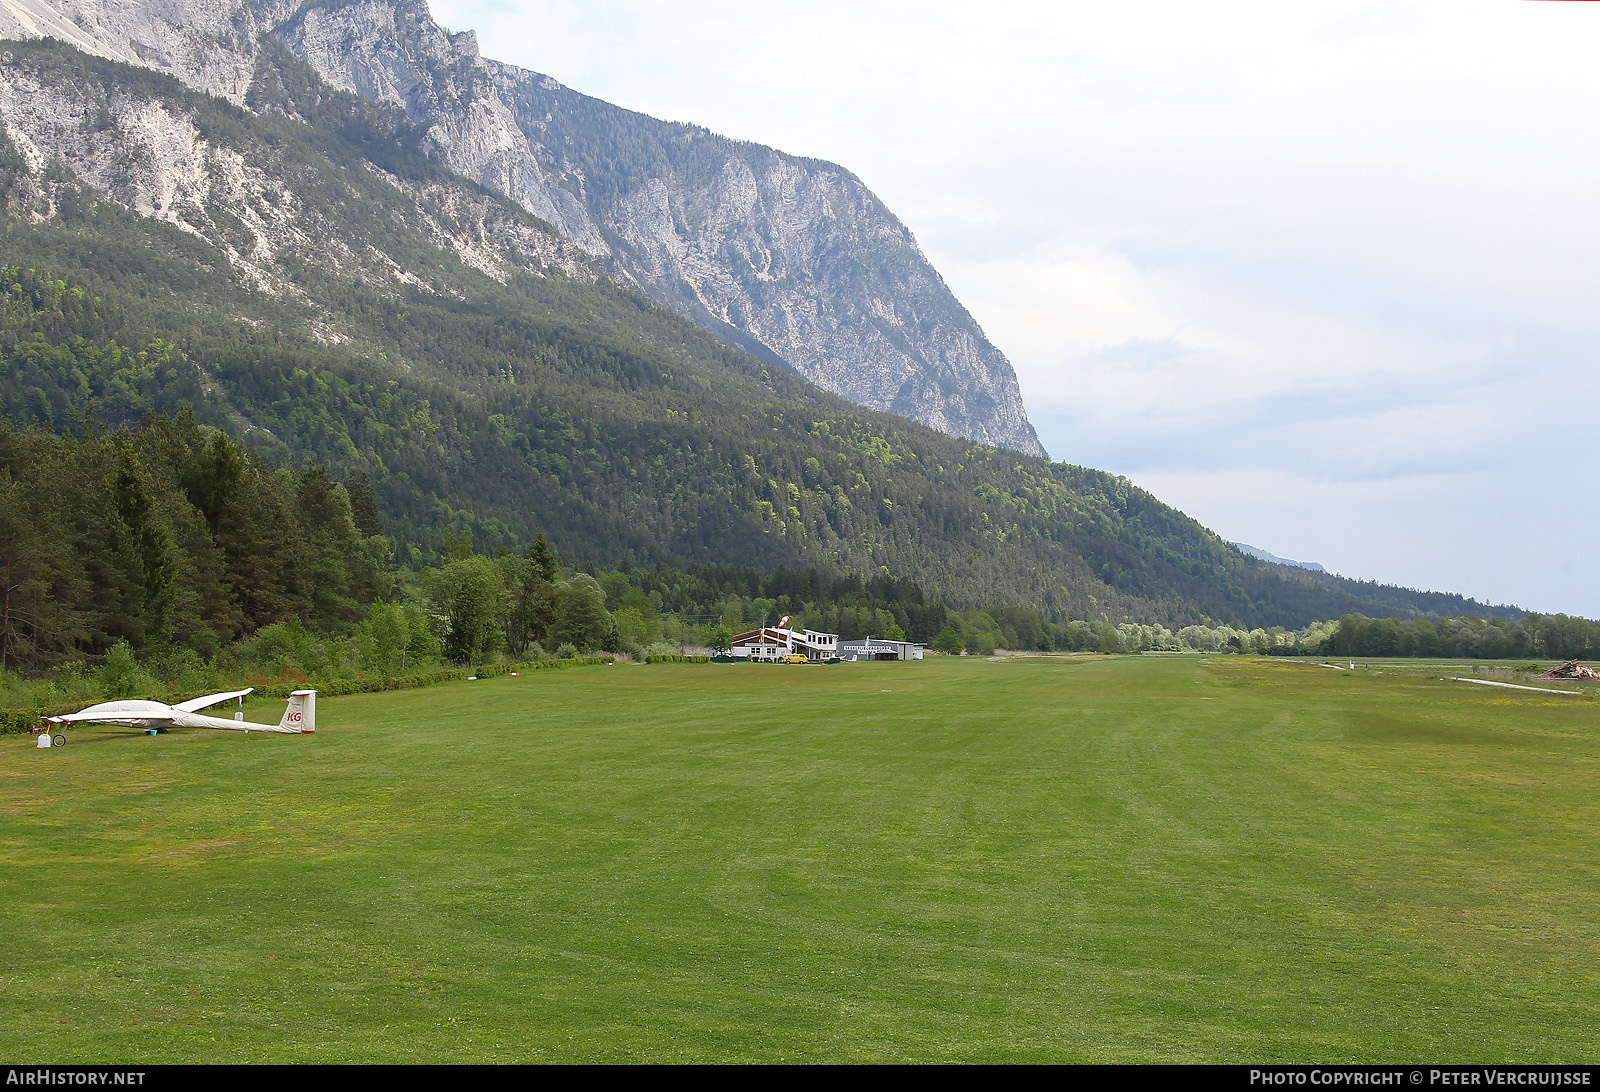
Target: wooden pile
1572,669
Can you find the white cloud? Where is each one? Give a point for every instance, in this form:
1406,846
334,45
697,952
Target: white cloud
1320,274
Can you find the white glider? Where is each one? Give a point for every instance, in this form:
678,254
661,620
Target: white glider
152,716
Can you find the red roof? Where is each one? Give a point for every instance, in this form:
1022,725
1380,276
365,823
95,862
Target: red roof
762,637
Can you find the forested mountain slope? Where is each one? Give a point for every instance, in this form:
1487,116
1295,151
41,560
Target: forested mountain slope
793,259
323,290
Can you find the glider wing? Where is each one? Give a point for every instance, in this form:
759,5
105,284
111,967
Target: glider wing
109,716
194,705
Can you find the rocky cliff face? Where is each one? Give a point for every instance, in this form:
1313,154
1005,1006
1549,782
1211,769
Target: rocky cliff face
268,206
395,53
791,258
795,253
208,44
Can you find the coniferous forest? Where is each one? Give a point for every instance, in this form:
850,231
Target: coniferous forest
169,536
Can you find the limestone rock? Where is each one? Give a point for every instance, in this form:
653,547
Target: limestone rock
791,258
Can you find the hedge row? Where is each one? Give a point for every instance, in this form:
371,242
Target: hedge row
14,721
23,720
672,658
335,688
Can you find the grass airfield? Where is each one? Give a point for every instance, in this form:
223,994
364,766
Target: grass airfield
1091,858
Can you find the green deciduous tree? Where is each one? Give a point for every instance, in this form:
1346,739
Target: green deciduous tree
388,638
467,596
581,618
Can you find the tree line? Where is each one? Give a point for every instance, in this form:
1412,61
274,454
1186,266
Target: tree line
169,555
1552,636
172,536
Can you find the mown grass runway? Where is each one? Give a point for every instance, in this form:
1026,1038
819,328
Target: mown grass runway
1082,859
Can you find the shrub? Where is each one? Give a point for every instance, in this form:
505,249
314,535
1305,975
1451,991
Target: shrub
121,677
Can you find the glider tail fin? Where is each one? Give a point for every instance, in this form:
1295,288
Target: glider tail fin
301,715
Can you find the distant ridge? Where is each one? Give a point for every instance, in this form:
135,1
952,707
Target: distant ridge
1256,551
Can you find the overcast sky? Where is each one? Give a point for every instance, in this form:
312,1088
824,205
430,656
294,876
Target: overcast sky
1322,275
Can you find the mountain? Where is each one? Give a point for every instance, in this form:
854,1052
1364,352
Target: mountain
302,270
1256,551
793,260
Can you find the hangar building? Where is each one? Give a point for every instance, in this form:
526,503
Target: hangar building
879,649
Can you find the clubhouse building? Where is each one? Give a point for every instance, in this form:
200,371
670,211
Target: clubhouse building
774,643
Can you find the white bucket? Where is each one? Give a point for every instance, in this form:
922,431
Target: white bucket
44,739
